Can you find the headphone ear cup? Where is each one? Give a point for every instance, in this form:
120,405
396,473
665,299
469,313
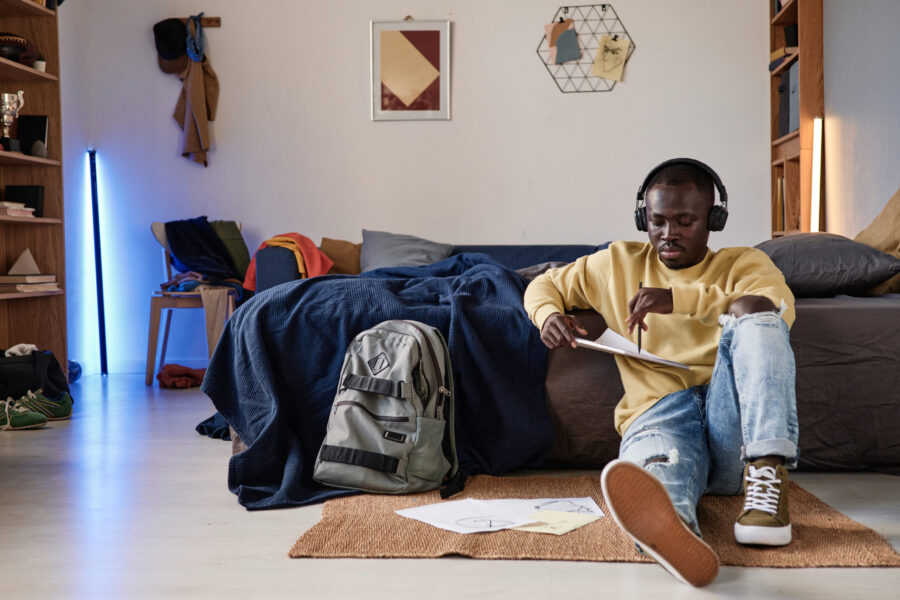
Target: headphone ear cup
640,218
717,216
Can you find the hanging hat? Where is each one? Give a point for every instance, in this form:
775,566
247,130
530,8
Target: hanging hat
171,45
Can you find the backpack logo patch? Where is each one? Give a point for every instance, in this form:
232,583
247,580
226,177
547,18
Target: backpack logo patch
378,364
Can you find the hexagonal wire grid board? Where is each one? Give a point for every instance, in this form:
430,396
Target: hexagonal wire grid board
592,21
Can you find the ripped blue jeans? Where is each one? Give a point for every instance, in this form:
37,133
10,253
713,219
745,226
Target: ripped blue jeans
695,441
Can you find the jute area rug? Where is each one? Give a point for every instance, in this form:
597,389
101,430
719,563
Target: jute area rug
365,526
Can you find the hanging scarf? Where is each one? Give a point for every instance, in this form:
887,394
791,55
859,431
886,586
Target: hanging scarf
196,42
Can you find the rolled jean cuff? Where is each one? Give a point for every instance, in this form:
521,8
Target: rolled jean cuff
776,447
727,319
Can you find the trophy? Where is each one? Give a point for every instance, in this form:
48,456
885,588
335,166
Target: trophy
10,105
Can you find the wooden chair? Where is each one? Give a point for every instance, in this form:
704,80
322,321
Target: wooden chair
172,300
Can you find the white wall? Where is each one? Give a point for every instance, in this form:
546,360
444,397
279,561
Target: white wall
295,150
862,110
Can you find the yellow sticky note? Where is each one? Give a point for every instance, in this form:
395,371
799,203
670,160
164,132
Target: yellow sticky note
557,522
610,60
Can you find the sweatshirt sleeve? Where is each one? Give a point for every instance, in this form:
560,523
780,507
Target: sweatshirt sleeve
752,274
581,284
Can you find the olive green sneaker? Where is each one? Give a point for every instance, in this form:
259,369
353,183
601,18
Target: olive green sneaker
765,519
55,410
13,416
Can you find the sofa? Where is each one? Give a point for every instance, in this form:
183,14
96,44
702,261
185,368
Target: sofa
847,350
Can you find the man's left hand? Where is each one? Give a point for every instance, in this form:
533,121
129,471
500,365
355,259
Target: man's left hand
648,300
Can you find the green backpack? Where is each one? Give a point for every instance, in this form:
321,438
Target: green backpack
391,425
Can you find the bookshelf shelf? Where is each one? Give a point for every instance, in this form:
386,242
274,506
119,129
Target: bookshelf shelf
30,220
26,295
17,158
13,71
786,138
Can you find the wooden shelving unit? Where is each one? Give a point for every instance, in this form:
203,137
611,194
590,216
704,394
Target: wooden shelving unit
791,156
34,317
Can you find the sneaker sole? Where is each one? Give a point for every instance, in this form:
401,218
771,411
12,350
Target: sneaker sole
641,506
35,426
762,536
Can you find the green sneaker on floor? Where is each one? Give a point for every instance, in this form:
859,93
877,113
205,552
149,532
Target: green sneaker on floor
54,410
13,416
765,519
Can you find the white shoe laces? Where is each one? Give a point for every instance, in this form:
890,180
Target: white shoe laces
762,490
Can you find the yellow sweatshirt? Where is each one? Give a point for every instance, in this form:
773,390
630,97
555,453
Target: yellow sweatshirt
607,280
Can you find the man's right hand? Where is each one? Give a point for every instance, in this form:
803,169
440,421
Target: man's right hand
557,331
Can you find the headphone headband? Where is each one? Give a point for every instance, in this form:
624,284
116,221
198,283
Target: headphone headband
718,214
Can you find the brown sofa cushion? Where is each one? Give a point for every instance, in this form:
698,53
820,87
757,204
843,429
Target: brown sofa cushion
344,254
582,389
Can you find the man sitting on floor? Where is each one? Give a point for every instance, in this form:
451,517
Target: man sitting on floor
730,422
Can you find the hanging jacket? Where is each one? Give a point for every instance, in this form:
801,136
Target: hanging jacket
196,106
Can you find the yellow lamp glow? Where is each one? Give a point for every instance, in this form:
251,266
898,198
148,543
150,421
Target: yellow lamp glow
816,196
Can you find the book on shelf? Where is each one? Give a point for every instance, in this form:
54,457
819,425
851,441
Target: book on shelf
789,101
790,35
28,287
11,211
793,98
8,204
27,278
783,51
32,196
779,204
31,129
778,61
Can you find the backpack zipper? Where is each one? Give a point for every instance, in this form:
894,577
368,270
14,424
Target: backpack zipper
371,414
443,392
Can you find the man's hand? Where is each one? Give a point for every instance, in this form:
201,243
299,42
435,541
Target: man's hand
557,331
648,300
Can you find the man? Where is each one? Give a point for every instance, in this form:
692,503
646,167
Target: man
730,422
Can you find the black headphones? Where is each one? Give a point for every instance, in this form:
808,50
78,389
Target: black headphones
717,214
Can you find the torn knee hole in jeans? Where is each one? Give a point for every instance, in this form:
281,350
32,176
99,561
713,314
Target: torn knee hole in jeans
670,458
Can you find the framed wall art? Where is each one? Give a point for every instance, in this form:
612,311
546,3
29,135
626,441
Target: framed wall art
410,70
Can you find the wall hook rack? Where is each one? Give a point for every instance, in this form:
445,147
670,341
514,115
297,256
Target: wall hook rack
205,21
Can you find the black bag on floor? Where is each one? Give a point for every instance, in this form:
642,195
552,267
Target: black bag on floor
36,371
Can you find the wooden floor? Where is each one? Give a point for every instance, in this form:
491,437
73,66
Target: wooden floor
127,501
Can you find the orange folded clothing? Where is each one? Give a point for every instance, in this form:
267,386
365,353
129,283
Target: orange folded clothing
178,376
315,261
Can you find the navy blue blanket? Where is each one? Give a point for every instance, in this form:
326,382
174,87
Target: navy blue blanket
275,371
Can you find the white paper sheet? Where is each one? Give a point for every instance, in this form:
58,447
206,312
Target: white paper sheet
614,343
475,516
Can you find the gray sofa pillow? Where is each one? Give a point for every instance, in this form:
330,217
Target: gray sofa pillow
820,265
383,249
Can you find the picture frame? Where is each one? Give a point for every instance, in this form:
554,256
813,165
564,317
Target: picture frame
410,70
